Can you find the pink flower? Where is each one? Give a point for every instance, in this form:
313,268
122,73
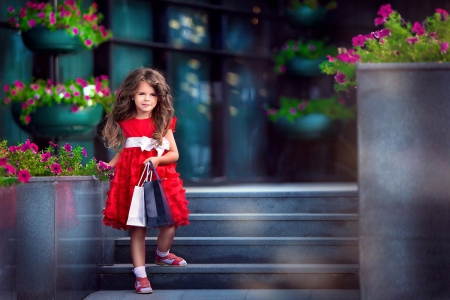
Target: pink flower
6,88
30,101
52,18
23,176
23,12
24,105
67,147
385,10
56,169
32,22
295,47
444,47
330,58
81,82
379,21
103,166
103,77
27,119
76,93
35,87
358,40
52,144
350,56
69,169
86,98
303,105
340,78
84,152
45,156
11,9
88,43
18,84
412,40
41,15
3,161
13,92
49,82
74,108
442,12
7,100
282,69
13,149
418,28
75,30
292,111
67,95
34,147
311,47
9,169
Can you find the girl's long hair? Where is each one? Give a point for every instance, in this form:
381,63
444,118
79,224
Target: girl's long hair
125,108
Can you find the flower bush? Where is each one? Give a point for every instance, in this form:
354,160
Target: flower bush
79,93
19,163
68,15
293,108
314,4
397,41
311,49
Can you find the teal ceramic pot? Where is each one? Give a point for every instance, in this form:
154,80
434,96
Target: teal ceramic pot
42,40
59,120
310,127
298,67
305,16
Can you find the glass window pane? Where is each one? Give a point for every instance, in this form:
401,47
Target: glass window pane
190,80
245,34
188,28
247,122
127,58
71,68
16,61
132,20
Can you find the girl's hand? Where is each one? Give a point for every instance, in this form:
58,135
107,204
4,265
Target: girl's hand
154,160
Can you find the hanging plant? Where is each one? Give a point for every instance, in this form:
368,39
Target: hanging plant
68,16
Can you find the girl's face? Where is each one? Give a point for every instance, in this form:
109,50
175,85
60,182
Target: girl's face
145,100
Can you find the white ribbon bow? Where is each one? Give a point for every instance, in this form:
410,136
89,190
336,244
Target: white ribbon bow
148,144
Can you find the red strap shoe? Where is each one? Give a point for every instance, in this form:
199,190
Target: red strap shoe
142,286
170,260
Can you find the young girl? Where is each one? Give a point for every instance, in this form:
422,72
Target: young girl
140,127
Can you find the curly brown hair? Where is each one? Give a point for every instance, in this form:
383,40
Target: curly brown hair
125,109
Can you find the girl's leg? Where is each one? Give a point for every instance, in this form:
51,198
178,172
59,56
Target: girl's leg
137,246
165,238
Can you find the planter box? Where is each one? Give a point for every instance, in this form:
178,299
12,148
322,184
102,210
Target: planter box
404,183
57,235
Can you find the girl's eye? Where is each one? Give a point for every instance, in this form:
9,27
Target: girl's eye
153,95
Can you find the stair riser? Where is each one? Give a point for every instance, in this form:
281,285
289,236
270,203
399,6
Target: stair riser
252,254
233,281
272,205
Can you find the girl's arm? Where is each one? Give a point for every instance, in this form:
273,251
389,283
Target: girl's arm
113,161
170,157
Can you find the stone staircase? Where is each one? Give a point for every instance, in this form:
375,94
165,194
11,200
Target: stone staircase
302,236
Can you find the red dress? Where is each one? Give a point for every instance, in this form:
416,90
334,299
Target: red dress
129,168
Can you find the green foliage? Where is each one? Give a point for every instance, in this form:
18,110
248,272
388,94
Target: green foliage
293,108
68,16
311,49
398,41
79,93
18,163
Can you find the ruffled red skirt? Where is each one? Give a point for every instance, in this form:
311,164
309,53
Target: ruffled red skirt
128,171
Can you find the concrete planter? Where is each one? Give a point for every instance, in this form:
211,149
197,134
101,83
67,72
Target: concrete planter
58,237
404,183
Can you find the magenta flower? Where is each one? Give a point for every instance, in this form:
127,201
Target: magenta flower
75,30
9,169
292,111
382,33
45,156
18,84
6,88
358,40
52,144
56,169
442,12
81,82
418,28
11,9
7,100
282,69
103,166
88,43
3,161
412,40
23,176
350,56
67,95
27,119
303,105
379,21
41,15
32,22
84,152
76,93
385,10
295,47
103,77
86,98
67,147
30,101
74,108
24,105
13,149
444,47
311,48
340,78
52,18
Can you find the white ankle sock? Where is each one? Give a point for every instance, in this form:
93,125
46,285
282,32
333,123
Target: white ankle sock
162,254
140,272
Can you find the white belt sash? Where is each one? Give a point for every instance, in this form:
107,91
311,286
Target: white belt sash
148,144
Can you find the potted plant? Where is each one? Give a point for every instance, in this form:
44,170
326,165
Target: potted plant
50,109
302,58
401,73
307,12
310,119
62,29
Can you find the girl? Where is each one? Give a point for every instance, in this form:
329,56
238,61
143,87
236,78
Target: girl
140,128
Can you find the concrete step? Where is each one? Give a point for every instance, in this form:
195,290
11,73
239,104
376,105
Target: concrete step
310,198
223,250
236,276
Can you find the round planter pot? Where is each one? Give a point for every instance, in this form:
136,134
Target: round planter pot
298,67
42,40
59,120
312,126
403,176
305,16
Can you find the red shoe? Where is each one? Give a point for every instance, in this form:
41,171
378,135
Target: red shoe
142,286
170,260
